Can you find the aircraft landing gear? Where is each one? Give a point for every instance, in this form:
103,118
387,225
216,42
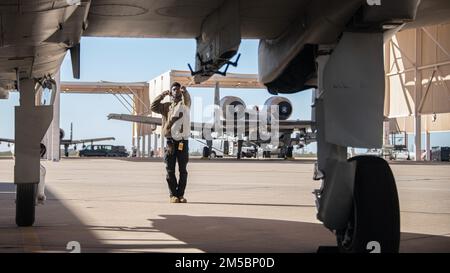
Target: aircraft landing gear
375,201
31,123
358,198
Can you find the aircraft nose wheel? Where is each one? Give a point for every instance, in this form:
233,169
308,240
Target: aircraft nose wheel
25,204
375,218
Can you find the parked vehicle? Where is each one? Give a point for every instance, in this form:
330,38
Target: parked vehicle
104,150
400,152
249,151
440,154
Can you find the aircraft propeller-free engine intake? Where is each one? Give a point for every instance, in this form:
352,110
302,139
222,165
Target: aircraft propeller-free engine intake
283,105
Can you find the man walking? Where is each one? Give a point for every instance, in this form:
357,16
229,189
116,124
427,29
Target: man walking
176,127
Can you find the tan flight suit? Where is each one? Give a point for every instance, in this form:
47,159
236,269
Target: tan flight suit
177,149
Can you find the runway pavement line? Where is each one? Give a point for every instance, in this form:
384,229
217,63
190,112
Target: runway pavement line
30,239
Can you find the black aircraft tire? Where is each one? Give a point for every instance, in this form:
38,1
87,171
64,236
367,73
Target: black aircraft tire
376,210
25,204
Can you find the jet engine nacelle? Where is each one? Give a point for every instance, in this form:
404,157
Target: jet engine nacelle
61,133
4,93
234,105
284,107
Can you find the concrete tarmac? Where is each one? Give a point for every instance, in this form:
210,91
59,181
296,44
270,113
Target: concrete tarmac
110,205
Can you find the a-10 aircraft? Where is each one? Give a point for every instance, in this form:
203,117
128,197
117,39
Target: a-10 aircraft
244,126
335,47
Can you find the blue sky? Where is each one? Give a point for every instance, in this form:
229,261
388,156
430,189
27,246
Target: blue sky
130,60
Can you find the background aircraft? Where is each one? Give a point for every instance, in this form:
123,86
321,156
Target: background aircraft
286,127
67,142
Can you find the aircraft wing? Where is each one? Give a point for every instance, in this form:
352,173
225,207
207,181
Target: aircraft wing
68,141
259,19
183,19
283,125
136,118
148,120
294,124
35,35
81,141
287,29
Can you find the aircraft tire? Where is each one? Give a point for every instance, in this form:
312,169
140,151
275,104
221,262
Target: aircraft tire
376,211
25,204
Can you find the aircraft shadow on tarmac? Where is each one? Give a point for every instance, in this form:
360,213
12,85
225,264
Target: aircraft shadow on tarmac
252,204
233,234
56,225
